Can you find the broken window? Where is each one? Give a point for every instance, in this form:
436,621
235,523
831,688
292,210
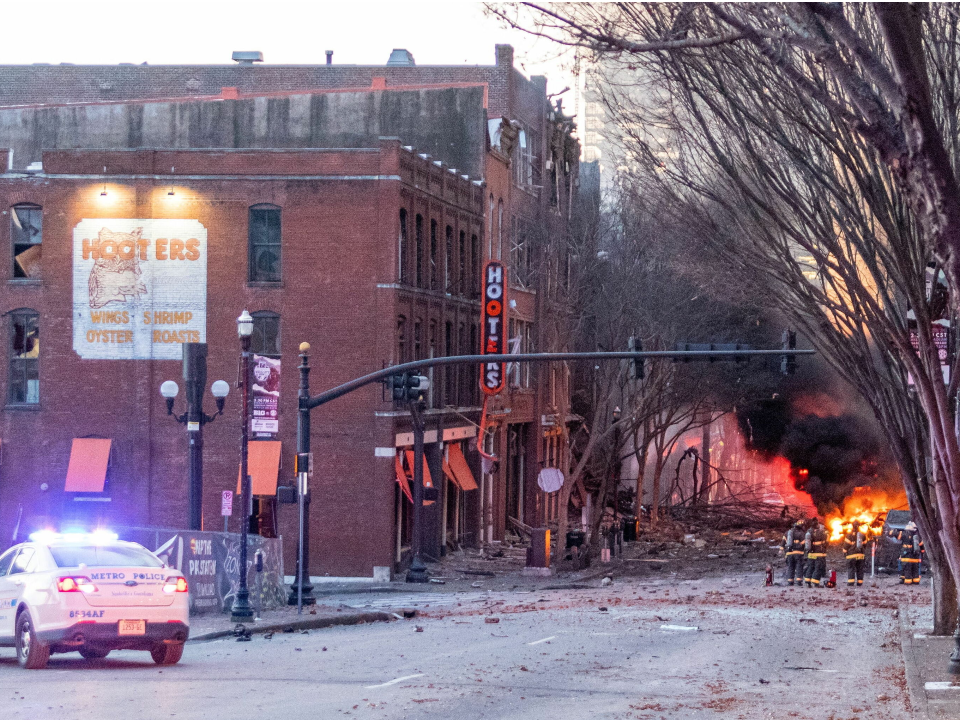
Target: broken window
462,266
26,231
264,243
266,334
450,283
24,385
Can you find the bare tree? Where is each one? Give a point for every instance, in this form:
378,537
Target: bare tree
814,145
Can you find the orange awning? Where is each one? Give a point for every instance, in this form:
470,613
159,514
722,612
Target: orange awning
263,464
427,480
87,471
402,478
458,463
448,471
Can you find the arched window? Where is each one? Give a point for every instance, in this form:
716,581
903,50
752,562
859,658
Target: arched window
474,291
403,248
23,387
26,234
266,333
499,248
462,281
263,241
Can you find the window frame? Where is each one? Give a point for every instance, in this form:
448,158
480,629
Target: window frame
259,334
254,274
23,361
16,272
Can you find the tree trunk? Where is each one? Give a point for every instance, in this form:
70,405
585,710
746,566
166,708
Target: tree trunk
655,500
944,591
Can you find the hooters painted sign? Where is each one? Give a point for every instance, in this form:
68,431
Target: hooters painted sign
493,375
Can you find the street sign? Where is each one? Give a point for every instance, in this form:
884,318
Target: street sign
226,503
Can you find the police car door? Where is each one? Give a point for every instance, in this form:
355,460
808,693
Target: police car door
8,596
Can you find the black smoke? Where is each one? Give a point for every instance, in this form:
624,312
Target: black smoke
829,456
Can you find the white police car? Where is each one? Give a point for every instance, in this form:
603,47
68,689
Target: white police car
90,593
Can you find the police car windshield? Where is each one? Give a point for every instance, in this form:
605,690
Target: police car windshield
102,556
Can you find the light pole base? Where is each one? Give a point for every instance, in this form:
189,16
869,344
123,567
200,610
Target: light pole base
417,572
308,598
953,667
241,612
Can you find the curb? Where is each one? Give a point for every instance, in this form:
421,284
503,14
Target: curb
915,686
311,623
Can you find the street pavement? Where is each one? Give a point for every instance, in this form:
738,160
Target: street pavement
651,649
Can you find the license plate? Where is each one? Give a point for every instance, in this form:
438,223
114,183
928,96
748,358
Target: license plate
133,627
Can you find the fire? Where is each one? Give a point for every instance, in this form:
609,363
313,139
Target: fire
865,508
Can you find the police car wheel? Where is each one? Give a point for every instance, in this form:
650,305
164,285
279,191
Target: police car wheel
31,653
92,653
163,654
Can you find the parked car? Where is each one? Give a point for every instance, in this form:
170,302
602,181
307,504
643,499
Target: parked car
90,593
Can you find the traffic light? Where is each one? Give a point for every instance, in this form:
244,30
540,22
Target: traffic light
788,363
407,386
634,344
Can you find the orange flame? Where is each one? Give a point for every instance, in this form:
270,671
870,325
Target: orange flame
864,508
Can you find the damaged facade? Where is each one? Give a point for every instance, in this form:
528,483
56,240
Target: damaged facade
350,207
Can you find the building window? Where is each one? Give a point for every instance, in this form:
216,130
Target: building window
266,333
520,256
449,371
474,267
499,248
521,341
401,339
419,241
449,263
403,248
26,232
264,243
417,339
434,269
462,267
24,385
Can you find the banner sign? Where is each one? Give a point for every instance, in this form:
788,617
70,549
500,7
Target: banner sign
139,288
494,316
266,396
211,563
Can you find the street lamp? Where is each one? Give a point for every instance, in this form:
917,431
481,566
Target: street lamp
241,610
195,377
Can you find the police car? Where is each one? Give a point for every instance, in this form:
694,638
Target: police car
90,593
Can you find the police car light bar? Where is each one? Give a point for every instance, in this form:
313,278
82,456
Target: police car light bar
97,536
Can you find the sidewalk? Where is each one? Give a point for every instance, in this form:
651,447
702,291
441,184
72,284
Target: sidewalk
934,692
213,626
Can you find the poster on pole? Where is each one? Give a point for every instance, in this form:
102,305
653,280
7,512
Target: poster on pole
266,397
139,288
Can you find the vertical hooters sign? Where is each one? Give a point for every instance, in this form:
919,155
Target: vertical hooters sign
493,375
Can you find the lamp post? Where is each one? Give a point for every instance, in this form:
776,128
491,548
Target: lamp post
301,592
241,610
195,377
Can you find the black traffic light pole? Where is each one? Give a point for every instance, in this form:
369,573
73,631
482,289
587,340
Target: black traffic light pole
306,403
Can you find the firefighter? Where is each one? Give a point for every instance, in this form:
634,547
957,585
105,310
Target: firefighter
910,545
815,544
793,547
854,547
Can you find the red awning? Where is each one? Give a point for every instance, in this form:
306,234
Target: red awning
448,471
458,463
427,480
402,477
87,471
263,464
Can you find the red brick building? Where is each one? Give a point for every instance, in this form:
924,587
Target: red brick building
371,253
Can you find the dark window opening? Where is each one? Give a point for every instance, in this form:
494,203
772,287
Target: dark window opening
264,243
449,263
434,269
266,333
26,232
401,339
417,340
419,241
24,385
404,248
462,268
475,268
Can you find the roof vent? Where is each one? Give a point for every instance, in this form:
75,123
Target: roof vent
247,57
401,57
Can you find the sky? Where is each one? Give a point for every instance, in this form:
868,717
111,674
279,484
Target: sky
286,31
